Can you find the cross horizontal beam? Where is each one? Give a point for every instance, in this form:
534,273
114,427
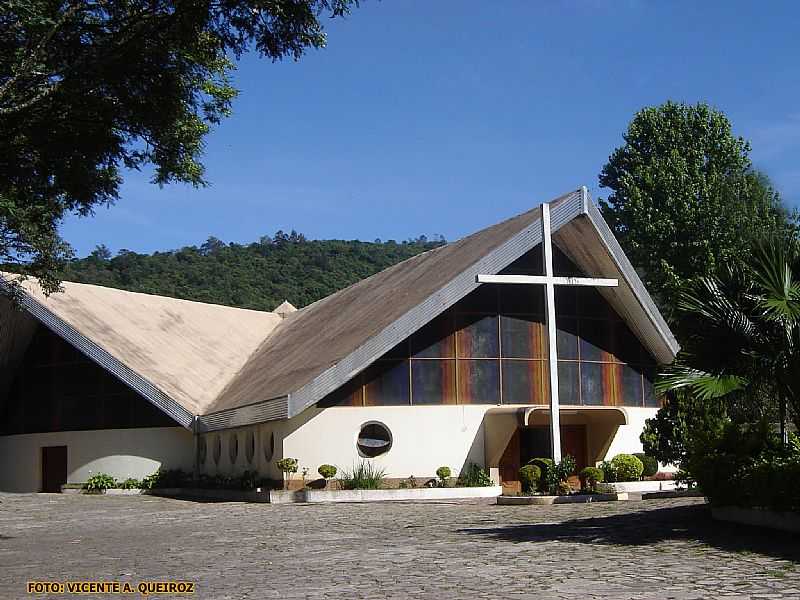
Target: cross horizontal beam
544,279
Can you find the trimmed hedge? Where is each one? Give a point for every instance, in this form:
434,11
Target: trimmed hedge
529,477
627,467
650,464
590,477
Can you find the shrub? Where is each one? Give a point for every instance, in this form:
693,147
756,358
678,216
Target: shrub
563,489
327,472
364,476
590,477
130,484
443,473
166,478
287,466
627,467
100,482
650,464
548,476
474,476
409,483
248,480
529,477
565,468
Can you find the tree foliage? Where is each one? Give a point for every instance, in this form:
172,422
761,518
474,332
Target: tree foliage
684,198
260,275
88,89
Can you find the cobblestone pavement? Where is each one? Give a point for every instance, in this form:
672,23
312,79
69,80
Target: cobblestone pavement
657,549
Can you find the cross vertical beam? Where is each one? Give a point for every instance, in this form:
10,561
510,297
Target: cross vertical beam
550,321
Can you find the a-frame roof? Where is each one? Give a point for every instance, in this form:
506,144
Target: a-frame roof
231,367
317,349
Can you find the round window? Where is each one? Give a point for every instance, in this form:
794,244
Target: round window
201,450
269,447
374,439
217,449
250,446
233,448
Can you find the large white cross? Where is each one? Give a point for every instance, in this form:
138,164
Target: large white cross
549,280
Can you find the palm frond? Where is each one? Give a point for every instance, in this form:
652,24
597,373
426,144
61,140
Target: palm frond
704,385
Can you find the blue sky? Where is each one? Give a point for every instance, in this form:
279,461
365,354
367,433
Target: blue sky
443,117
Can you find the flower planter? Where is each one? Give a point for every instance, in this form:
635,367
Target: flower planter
637,486
405,494
571,499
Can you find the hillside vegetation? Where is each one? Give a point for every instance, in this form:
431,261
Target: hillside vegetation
259,275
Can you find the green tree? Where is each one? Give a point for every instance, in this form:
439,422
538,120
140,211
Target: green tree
684,198
88,89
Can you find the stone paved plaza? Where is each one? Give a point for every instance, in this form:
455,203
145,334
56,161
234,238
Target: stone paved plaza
657,549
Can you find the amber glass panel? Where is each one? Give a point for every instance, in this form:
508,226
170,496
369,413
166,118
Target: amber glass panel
387,384
568,383
436,339
478,381
478,336
522,298
523,382
595,335
433,381
626,346
592,304
523,336
567,338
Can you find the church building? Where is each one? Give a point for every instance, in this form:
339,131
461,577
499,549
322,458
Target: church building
533,337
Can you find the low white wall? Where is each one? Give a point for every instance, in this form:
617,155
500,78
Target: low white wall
626,441
121,453
424,438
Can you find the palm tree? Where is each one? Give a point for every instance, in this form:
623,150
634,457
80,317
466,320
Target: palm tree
742,335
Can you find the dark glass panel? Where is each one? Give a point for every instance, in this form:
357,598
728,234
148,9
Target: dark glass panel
523,382
433,382
529,263
592,304
595,338
146,414
567,338
81,379
118,410
522,298
436,339
631,386
568,383
650,399
478,336
566,300
596,384
350,394
478,382
86,413
482,299
563,266
399,352
387,383
523,336
627,348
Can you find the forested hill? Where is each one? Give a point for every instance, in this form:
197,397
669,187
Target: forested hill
259,275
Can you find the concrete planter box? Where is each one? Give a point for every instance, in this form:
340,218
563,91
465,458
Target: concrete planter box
637,486
402,494
759,517
257,495
130,492
572,499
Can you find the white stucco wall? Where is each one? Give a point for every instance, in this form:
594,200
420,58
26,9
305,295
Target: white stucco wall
626,441
121,453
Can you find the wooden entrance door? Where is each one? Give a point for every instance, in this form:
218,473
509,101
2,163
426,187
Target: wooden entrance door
573,442
54,468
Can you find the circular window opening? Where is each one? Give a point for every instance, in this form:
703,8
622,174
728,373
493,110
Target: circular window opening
201,450
217,449
250,446
374,439
233,448
269,447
